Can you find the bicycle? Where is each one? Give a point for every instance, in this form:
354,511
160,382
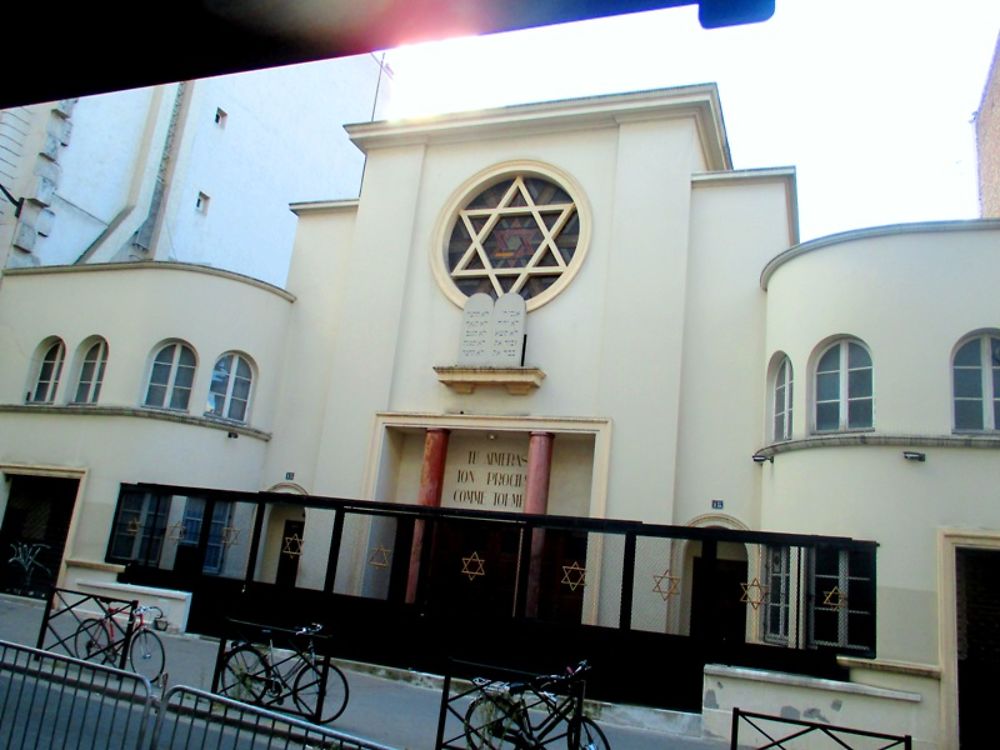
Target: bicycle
500,717
96,638
317,687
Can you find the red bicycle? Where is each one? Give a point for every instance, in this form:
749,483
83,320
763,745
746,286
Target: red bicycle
103,638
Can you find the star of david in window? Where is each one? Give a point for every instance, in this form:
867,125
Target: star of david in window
134,527
753,593
176,532
666,584
574,576
230,536
519,235
380,557
472,566
293,546
834,598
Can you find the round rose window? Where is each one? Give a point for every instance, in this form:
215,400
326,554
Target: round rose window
520,234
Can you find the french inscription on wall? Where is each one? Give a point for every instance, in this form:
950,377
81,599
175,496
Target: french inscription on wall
476,346
486,474
508,330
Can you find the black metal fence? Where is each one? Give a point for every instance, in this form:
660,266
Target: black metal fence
506,708
414,587
67,616
780,732
49,700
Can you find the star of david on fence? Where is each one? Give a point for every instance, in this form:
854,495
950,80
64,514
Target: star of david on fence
671,581
753,593
513,241
380,557
472,566
293,546
834,598
574,576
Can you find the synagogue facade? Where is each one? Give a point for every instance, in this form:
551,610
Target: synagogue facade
572,309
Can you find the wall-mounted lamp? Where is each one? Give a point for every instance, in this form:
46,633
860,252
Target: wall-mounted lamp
914,456
759,458
232,435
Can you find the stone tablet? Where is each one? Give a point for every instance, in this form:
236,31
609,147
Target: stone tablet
508,330
475,349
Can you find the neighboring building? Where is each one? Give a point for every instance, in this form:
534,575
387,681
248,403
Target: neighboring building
198,172
988,141
688,362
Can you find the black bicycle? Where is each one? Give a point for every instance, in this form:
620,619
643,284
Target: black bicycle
523,715
314,685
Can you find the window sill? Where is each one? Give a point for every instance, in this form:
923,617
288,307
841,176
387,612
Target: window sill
519,381
146,412
847,439
209,417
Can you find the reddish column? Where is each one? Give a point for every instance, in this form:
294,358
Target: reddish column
431,484
536,500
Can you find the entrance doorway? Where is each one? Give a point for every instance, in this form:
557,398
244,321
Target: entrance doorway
717,613
33,533
473,571
978,601
291,552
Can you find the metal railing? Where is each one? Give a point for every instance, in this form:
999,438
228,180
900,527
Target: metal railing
769,727
49,700
191,719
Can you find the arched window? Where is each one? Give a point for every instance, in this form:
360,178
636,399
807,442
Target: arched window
845,394
229,394
171,377
976,383
50,363
88,386
783,401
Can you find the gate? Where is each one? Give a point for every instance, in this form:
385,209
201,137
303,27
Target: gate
414,587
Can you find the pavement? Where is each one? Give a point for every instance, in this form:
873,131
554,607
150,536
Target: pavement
394,707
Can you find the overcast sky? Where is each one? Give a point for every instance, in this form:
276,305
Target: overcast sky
871,100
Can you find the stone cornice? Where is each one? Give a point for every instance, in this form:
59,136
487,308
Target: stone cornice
787,175
308,207
925,227
700,101
151,265
132,411
842,440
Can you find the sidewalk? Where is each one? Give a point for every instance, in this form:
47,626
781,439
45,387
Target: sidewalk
394,707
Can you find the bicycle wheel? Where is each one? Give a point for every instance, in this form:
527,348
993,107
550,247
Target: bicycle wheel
91,642
488,724
588,736
245,675
146,654
305,692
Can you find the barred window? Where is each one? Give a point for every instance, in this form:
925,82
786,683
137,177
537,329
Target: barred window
842,594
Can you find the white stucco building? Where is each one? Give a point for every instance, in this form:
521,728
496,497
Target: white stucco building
687,362
198,172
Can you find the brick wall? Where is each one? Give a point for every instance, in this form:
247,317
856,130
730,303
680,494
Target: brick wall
988,142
